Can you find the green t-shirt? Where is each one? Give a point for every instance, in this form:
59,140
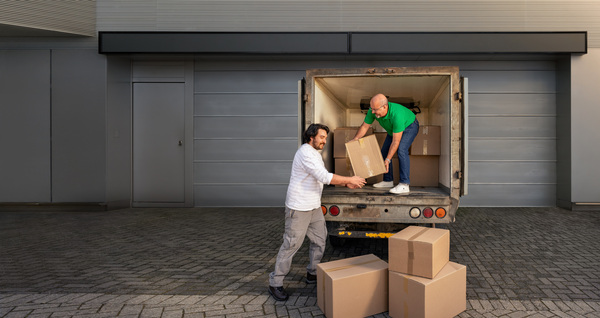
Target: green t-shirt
396,120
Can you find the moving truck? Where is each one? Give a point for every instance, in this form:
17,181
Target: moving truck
339,98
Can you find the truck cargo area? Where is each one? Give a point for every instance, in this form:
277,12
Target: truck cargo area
340,99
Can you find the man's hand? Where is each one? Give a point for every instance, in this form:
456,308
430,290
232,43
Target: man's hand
387,165
356,182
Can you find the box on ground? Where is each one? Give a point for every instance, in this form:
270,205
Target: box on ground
365,157
353,287
341,136
419,251
427,141
443,296
424,171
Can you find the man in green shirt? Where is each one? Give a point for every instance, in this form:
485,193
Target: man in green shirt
402,128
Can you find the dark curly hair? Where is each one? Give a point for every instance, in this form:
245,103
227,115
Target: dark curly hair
312,131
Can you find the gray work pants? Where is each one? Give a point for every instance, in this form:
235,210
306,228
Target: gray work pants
299,224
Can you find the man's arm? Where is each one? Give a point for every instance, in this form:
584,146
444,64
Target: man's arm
393,148
350,182
362,130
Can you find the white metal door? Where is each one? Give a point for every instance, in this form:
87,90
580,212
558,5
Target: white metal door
158,143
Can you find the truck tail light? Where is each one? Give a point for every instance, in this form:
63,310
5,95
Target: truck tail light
334,210
428,212
440,212
415,212
324,209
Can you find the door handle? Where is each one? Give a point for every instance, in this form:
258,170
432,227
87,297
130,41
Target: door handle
180,143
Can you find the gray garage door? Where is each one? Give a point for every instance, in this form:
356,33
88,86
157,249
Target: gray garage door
245,135
245,130
512,139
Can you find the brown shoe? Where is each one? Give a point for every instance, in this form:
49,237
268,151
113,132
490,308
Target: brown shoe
278,293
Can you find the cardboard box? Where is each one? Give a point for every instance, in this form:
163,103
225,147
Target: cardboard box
341,136
424,171
443,296
419,251
353,287
427,141
365,157
381,138
344,168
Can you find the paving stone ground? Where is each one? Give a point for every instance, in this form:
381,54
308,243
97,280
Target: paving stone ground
209,262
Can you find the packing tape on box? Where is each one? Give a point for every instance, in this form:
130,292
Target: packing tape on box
411,249
367,162
425,147
338,269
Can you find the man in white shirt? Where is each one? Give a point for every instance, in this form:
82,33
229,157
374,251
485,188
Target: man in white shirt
303,214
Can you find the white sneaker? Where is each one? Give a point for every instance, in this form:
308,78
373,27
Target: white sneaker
401,188
384,184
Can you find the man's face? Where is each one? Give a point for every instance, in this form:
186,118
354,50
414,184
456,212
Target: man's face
319,141
379,109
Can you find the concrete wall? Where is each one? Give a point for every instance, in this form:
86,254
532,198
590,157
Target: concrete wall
585,130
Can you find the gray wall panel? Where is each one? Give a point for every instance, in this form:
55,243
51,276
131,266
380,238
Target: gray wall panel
512,149
511,82
235,149
246,127
517,195
501,127
244,172
512,172
247,104
25,126
248,82
240,194
78,126
512,104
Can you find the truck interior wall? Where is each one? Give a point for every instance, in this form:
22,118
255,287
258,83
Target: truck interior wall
331,113
439,115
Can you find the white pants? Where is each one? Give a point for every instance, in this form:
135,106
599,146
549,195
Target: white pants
299,224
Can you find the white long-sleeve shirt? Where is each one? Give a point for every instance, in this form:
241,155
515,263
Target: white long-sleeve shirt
307,179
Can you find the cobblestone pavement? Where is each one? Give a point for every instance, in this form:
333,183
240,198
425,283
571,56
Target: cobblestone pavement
522,262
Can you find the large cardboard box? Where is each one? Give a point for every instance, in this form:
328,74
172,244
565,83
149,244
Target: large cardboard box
427,141
419,251
381,139
416,297
353,287
343,167
341,136
365,157
424,171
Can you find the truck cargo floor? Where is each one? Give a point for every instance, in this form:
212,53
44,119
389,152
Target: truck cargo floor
371,191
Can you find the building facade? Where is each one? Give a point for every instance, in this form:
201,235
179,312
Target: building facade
196,103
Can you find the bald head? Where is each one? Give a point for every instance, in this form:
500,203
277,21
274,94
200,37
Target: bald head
378,100
379,105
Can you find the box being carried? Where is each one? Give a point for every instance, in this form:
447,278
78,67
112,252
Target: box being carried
341,136
444,296
365,157
419,251
353,287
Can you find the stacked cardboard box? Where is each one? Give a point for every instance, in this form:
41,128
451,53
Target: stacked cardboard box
422,280
353,287
424,157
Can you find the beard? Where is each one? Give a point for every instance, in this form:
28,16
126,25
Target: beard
317,145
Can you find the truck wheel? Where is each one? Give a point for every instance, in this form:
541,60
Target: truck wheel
336,241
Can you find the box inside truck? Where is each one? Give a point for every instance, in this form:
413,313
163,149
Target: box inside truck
339,98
